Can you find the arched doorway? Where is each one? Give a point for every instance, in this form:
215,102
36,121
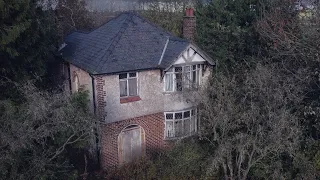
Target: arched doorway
131,143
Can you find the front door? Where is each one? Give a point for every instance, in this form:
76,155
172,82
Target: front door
131,144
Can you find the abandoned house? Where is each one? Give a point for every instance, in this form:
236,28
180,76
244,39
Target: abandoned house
137,76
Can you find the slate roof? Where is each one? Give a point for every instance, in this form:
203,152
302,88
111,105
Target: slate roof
126,43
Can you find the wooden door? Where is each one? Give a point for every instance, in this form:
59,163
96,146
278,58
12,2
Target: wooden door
131,144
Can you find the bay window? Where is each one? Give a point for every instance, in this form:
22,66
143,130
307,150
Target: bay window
180,124
182,77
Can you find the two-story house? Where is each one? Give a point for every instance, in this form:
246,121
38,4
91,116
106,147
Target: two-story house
137,76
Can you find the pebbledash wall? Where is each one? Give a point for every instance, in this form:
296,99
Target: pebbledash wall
84,81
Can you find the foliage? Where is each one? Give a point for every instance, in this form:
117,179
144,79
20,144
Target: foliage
72,15
27,39
225,30
37,134
250,117
184,161
168,14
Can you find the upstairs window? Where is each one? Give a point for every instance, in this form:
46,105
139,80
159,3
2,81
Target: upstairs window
180,124
182,77
128,83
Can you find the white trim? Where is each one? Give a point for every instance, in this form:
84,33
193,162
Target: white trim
191,118
164,50
198,71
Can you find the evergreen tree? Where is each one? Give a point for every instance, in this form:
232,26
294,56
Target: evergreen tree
27,40
225,30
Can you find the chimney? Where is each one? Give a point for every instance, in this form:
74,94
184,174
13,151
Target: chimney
189,24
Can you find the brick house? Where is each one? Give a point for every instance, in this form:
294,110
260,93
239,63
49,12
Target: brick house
137,76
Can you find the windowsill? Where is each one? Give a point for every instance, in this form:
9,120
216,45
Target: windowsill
178,138
129,99
180,92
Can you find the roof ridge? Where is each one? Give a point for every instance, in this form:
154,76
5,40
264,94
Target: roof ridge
115,39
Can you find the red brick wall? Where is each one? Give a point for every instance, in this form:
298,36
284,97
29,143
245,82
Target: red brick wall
100,97
153,126
189,25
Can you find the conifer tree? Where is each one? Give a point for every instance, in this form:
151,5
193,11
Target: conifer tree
225,30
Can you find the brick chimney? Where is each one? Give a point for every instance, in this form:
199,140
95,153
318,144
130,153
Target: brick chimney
189,24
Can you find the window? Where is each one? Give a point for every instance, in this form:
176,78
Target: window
128,84
183,77
180,124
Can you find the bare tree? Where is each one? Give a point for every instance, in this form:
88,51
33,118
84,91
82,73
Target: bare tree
249,117
73,15
36,134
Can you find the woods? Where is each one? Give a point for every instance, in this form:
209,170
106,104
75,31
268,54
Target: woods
260,111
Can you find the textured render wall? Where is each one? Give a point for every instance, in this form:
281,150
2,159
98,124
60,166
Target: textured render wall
153,99
153,126
85,80
148,89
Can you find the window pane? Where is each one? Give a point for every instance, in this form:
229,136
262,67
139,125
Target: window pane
187,68
169,82
178,115
186,114
178,129
178,69
179,82
169,116
193,124
123,88
133,87
186,127
169,129
132,74
194,77
198,77
123,76
194,67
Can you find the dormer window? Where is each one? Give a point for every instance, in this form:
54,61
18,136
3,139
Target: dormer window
182,77
128,84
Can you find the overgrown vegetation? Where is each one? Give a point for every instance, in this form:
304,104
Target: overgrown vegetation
38,134
260,111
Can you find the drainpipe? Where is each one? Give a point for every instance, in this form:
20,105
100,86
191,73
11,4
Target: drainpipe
94,111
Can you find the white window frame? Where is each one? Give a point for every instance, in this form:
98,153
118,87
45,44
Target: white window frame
183,119
198,70
127,80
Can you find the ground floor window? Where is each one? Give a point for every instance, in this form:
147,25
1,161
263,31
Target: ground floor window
180,124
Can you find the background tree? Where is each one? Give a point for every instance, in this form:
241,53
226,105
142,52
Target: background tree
249,118
168,14
225,30
39,136
28,41
73,15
